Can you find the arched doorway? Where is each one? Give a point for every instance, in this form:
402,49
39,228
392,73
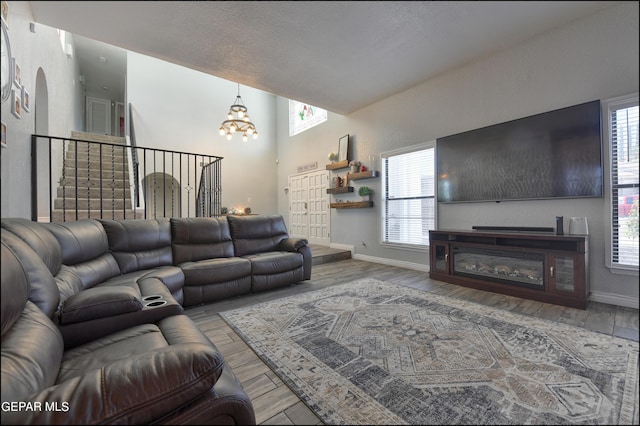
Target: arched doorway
161,195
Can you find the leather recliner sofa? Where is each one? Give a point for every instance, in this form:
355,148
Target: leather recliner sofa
92,319
161,372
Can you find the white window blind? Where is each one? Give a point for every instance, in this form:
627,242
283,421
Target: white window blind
409,196
625,181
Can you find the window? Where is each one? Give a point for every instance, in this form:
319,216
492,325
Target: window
409,196
621,123
304,116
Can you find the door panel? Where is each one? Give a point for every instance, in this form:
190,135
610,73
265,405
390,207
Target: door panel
98,116
309,207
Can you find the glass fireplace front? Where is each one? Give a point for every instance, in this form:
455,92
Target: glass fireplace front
503,266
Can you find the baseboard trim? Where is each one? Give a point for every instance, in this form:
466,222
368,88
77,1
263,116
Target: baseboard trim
343,247
392,262
614,299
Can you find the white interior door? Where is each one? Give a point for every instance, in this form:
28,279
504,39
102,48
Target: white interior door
309,215
98,116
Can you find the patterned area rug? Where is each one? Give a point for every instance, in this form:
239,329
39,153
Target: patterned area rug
373,352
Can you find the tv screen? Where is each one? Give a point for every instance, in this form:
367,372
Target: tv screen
556,154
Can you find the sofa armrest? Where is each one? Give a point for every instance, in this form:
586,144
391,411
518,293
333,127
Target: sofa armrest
138,390
99,302
292,244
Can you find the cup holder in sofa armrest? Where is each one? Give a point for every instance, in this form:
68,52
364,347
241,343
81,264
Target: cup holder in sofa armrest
155,303
99,302
151,297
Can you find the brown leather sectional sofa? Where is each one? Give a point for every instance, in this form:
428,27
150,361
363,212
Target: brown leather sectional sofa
92,324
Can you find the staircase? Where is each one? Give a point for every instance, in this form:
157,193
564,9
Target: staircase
100,181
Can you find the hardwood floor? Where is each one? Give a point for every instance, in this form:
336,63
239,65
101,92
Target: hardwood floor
274,403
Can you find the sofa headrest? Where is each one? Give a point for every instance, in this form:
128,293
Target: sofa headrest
38,237
254,234
43,291
139,243
80,241
15,287
198,238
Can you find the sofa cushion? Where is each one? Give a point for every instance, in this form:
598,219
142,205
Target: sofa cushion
139,244
99,302
85,254
80,241
256,234
42,289
199,238
211,271
32,346
38,237
274,262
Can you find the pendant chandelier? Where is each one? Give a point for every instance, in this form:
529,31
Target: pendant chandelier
238,121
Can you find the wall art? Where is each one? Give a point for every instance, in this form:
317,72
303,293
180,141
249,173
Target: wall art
16,103
3,136
26,100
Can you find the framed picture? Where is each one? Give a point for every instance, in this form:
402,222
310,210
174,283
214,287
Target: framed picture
26,100
16,103
343,148
17,76
5,13
4,135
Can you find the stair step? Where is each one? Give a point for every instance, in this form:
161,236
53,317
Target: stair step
97,137
96,164
70,215
91,204
96,148
83,182
107,174
69,191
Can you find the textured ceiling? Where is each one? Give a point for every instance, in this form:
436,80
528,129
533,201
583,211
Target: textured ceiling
341,56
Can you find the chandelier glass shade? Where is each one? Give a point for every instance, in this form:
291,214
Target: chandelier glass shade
238,121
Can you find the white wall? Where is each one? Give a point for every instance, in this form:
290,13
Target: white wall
594,58
32,51
176,108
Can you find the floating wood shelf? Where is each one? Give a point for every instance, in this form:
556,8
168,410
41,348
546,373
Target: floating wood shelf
362,175
340,190
338,165
352,205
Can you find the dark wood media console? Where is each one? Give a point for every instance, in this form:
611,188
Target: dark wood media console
533,265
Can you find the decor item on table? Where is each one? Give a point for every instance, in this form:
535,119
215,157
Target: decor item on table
363,168
375,352
333,157
240,122
247,210
224,210
365,192
355,166
343,148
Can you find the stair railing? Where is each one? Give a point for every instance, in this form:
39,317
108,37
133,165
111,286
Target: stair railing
209,190
74,179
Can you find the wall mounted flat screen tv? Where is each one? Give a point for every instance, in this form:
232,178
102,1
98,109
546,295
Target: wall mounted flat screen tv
556,154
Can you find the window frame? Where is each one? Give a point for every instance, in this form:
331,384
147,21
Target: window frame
608,106
383,156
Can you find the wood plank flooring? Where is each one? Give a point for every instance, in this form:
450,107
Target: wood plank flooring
274,403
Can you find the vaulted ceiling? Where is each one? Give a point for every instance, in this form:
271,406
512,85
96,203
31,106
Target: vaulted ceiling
341,56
